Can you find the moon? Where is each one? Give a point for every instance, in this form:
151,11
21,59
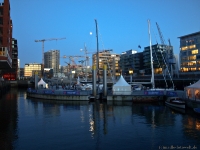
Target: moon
90,33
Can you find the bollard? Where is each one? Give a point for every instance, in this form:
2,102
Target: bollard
104,80
36,80
94,73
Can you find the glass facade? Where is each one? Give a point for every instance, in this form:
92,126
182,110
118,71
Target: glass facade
109,59
52,60
160,58
29,69
131,60
189,52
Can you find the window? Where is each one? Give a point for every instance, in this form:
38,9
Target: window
192,57
195,51
192,46
183,53
198,56
1,20
184,48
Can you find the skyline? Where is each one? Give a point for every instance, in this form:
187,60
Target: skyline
122,25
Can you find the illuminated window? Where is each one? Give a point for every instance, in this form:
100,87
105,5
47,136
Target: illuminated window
158,70
192,57
185,69
184,48
193,69
195,51
192,46
192,63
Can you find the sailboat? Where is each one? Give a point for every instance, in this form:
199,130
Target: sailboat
152,69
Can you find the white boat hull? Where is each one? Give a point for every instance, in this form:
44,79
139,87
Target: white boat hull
180,105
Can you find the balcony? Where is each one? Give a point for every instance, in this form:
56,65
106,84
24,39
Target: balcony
5,59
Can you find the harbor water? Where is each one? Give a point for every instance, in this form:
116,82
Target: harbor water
35,124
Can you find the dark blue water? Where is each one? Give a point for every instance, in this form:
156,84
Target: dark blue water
33,124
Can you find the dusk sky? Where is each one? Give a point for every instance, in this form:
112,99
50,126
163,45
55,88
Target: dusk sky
122,25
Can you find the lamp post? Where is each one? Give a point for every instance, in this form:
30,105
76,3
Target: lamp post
131,73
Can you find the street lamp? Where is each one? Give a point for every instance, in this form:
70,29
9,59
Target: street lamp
131,73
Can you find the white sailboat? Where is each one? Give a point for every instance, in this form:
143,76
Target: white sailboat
152,69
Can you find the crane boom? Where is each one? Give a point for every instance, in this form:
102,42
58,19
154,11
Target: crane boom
160,34
167,53
43,40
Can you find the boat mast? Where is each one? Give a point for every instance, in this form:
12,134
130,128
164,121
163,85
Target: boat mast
151,57
98,75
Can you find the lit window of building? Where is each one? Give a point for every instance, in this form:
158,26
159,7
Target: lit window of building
31,68
189,52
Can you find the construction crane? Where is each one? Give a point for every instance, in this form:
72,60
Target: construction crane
72,62
86,57
167,52
43,40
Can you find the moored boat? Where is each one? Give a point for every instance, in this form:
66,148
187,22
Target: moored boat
175,102
196,110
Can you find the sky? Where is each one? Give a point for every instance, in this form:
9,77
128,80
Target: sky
122,25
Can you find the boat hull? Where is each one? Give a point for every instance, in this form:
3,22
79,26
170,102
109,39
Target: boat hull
178,105
196,110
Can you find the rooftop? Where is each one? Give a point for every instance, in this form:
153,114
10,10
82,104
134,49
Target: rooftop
192,34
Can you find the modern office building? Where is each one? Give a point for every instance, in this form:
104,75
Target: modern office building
31,68
131,60
21,73
160,58
109,59
12,73
5,37
190,53
15,57
52,60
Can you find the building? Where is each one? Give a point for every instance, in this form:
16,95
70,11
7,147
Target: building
190,53
5,37
109,59
48,72
21,73
31,68
160,58
131,60
52,60
15,58
12,73
18,72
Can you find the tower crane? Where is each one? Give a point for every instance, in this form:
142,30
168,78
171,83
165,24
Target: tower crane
72,63
43,40
86,57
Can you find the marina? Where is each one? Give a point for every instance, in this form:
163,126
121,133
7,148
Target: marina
33,123
103,83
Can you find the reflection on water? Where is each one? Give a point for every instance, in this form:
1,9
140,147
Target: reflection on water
42,124
8,119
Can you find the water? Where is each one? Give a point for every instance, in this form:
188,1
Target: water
33,124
